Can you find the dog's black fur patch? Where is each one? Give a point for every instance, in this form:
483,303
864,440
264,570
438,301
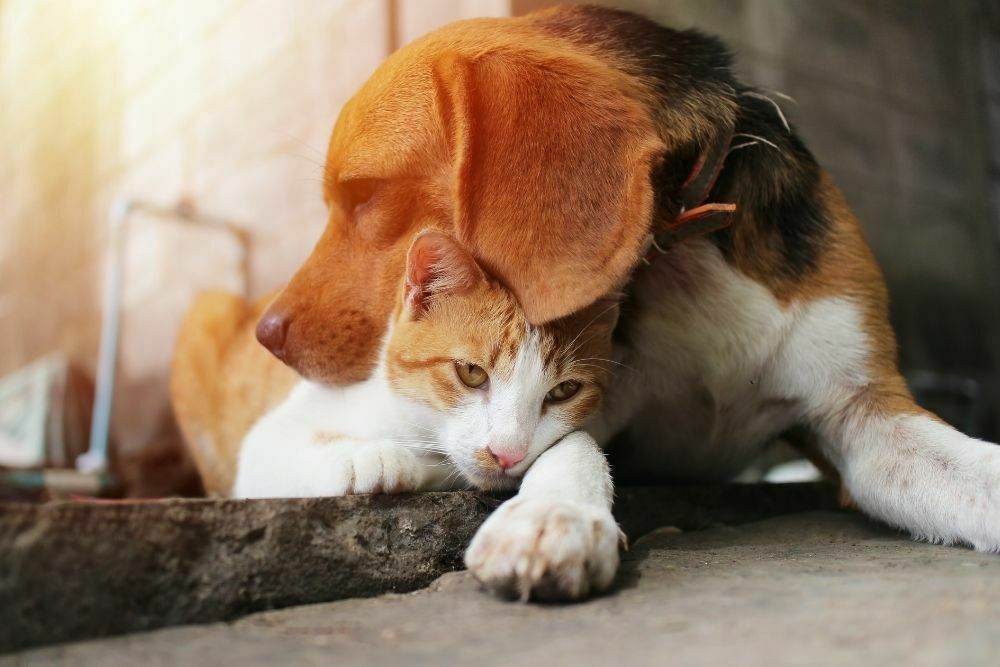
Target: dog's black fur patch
774,188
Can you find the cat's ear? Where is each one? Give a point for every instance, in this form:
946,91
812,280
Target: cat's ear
602,314
607,309
437,265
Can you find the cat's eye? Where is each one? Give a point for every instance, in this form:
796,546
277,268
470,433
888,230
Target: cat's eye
472,375
562,391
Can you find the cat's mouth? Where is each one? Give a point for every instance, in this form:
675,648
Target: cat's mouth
491,480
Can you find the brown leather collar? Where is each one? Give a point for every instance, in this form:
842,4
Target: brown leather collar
697,217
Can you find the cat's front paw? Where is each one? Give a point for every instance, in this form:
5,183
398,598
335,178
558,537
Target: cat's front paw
545,549
377,467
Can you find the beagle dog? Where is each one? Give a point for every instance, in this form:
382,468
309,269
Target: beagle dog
579,152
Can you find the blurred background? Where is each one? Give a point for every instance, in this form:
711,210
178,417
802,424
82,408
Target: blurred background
227,105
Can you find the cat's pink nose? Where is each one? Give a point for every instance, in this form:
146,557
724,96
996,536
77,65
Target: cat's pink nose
507,458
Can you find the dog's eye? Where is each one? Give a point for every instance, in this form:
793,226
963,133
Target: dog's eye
472,375
358,192
562,391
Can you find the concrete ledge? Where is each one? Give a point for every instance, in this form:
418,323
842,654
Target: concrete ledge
813,588
71,571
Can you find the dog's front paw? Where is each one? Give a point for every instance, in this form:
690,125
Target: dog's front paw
377,467
545,549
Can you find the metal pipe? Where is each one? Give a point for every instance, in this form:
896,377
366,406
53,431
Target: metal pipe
95,459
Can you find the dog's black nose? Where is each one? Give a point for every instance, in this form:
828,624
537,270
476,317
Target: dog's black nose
272,330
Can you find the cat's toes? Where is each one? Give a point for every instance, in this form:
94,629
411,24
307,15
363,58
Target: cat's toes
545,549
382,468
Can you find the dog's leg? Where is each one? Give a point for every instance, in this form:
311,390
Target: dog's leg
898,462
557,538
911,470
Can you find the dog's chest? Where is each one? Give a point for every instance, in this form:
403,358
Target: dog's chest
702,390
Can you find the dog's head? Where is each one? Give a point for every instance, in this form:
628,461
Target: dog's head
540,143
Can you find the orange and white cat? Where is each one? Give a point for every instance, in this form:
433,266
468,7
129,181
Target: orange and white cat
465,392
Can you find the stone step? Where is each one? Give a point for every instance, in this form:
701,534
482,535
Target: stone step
81,570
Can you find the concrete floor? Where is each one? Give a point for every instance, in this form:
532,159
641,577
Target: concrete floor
814,588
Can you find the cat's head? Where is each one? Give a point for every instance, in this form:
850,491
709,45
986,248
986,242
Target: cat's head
504,390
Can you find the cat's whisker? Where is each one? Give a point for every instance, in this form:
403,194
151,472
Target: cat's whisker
416,437
603,369
428,429
571,351
445,462
454,473
410,438
591,322
578,342
417,426
596,362
610,361
422,448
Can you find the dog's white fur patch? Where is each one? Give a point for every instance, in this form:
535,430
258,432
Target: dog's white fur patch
719,368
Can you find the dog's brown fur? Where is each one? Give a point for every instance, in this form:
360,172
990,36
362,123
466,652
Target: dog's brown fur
223,381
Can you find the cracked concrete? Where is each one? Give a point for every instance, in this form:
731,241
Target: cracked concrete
812,588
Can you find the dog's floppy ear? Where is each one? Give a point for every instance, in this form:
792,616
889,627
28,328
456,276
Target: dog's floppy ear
552,157
436,264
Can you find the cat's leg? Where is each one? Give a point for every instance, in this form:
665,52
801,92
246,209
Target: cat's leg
291,463
556,539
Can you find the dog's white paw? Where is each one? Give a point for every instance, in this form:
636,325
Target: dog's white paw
545,549
375,467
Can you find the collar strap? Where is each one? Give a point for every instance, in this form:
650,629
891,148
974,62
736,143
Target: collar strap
696,217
